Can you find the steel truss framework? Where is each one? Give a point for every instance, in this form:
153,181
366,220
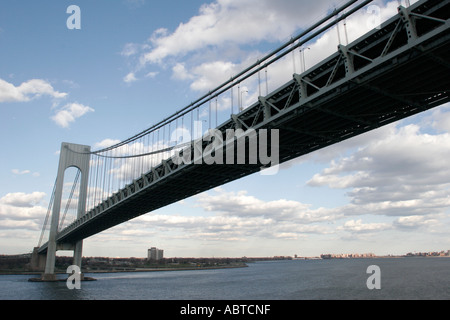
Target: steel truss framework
395,71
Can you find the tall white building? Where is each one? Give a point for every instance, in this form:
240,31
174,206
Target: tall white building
155,254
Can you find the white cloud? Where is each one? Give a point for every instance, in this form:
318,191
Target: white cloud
179,72
22,211
27,91
36,88
239,204
15,224
402,156
130,49
24,172
277,220
130,77
105,143
19,172
229,21
21,199
403,173
69,113
359,227
439,119
222,228
151,74
209,74
415,222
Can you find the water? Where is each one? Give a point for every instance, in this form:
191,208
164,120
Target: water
342,279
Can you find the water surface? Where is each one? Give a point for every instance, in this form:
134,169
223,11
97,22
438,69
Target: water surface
342,279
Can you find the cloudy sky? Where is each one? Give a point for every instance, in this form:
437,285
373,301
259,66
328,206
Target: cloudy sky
134,62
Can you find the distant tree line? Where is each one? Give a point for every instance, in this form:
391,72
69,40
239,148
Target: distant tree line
9,263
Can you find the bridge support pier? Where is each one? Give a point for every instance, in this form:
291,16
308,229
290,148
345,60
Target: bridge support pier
78,253
37,260
72,155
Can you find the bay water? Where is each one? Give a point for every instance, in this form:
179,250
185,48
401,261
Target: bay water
334,279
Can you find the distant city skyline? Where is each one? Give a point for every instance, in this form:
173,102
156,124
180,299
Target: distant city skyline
133,63
156,254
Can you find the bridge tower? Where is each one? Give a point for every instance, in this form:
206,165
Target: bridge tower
78,156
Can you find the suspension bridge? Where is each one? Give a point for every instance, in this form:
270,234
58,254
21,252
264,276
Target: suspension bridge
398,69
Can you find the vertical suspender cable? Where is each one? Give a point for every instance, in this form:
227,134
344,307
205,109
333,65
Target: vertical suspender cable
50,205
69,200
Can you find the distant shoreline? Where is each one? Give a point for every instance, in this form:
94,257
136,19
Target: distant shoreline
24,271
167,269
33,273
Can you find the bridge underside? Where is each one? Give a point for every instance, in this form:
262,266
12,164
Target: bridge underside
377,80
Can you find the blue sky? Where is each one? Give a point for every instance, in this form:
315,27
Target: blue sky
134,62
